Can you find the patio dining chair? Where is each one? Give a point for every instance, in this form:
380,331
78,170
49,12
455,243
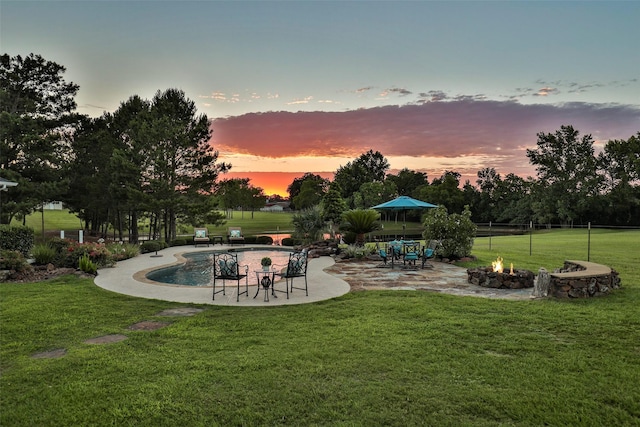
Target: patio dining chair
386,253
411,253
296,267
226,267
429,252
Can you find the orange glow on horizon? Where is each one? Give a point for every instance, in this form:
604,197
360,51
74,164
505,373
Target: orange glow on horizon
272,182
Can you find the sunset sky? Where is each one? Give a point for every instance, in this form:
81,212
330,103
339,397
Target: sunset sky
295,87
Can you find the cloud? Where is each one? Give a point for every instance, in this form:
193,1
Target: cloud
465,133
304,100
397,91
546,91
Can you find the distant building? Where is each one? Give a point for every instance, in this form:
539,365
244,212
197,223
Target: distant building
275,207
5,183
52,206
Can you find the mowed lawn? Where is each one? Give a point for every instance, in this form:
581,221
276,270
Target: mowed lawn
368,358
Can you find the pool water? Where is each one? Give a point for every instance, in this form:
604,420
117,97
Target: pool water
197,270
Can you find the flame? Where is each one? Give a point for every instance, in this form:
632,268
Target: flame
497,265
511,272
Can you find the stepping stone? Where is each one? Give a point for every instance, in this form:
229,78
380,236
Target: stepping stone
182,311
106,339
52,354
148,326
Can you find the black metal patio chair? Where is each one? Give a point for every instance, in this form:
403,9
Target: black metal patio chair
226,267
296,267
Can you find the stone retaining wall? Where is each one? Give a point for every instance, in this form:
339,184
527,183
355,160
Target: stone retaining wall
487,278
582,279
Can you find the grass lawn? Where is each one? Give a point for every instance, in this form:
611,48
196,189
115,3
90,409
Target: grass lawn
252,224
368,358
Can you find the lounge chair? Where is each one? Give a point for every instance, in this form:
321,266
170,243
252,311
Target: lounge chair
200,235
226,267
235,235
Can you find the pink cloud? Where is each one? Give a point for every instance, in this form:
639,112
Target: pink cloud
463,135
435,129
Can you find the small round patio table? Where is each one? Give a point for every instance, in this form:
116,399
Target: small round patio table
265,281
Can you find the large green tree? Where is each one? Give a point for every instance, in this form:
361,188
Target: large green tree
181,164
407,181
567,173
444,191
238,193
374,193
369,167
36,121
307,191
148,158
620,162
488,180
333,206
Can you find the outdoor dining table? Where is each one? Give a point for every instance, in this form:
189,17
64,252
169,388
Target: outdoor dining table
408,251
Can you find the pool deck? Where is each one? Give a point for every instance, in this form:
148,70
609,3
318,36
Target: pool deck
128,277
327,279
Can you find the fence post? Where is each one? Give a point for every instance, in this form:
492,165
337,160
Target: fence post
489,235
589,241
530,236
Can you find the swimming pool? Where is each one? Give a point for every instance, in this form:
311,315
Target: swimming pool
196,271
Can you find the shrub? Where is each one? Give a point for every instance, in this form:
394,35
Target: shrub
150,246
358,252
178,242
308,224
290,241
97,253
85,264
264,240
12,260
349,237
120,251
44,253
16,238
455,232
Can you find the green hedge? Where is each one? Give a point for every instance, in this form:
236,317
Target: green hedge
16,238
151,246
290,241
180,242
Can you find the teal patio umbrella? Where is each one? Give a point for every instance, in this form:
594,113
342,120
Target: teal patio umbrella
403,204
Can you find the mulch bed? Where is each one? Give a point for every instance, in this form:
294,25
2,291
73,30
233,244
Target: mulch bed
41,274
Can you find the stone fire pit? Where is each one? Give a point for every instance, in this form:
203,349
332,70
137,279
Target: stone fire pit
486,277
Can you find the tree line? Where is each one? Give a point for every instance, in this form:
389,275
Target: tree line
574,185
150,162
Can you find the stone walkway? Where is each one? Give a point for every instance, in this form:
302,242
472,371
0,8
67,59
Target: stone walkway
442,277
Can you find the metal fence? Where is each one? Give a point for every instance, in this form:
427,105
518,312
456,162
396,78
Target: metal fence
584,240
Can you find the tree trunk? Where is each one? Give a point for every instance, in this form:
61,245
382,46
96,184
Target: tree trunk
133,228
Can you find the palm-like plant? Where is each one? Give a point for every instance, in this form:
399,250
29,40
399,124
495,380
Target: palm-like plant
360,222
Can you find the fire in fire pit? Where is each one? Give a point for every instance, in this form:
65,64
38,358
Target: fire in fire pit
495,277
497,265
